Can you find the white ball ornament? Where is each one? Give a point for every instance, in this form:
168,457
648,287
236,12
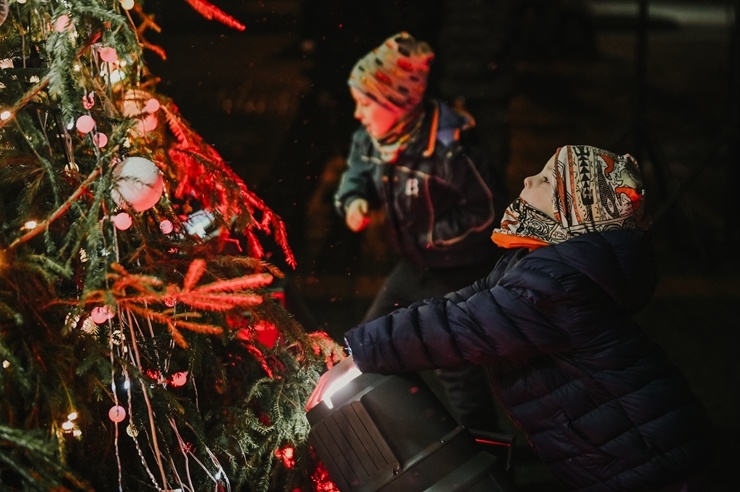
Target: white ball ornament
138,183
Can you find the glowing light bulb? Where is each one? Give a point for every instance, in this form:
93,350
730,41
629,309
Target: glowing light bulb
5,115
68,426
31,224
6,364
72,416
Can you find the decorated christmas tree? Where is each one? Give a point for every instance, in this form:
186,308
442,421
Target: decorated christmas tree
141,342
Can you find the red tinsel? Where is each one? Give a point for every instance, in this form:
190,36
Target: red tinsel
211,12
203,171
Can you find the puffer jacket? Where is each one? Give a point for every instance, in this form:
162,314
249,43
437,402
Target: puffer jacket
598,400
441,197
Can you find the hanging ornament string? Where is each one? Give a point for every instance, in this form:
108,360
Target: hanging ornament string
145,394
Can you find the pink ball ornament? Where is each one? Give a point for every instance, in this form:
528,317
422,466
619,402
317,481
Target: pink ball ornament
179,379
147,124
100,140
166,226
151,106
62,23
85,123
101,314
122,221
138,183
117,413
108,54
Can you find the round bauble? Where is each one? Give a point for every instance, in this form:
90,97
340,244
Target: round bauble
117,413
138,183
101,314
85,123
122,221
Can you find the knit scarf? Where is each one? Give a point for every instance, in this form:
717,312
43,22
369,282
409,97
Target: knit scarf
400,135
523,226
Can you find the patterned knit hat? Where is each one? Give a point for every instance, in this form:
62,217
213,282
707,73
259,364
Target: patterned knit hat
597,190
593,190
395,73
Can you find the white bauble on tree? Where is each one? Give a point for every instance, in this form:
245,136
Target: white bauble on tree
138,183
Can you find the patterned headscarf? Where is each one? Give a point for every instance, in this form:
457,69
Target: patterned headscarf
395,73
593,190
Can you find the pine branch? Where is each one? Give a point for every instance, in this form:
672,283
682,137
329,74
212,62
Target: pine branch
58,213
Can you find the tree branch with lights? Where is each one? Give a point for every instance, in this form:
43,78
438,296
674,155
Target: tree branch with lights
142,347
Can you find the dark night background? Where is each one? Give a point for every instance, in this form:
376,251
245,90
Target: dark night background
573,72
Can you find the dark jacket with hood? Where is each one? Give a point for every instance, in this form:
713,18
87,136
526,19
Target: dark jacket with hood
441,197
598,400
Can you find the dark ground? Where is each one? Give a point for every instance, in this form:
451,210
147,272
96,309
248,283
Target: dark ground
284,126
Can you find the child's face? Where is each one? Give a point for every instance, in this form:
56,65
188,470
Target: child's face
374,117
538,189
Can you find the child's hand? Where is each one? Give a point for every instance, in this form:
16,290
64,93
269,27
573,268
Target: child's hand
356,217
332,380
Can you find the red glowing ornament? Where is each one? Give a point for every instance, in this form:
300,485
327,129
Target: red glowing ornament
266,333
287,455
85,124
117,413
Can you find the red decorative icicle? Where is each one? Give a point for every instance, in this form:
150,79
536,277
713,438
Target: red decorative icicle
211,12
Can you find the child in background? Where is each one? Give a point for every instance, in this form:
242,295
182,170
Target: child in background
415,158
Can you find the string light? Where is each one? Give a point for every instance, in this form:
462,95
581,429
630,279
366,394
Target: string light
31,224
5,115
70,427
